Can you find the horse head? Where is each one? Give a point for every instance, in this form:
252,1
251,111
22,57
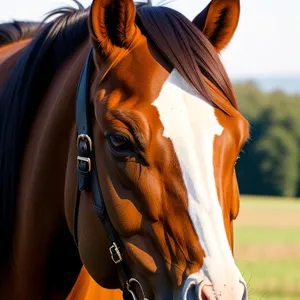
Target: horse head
166,135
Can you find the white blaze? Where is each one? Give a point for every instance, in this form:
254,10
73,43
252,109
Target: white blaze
190,123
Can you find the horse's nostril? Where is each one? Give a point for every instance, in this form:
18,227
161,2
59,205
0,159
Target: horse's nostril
203,297
195,289
207,293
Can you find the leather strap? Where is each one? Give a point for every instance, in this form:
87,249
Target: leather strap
87,170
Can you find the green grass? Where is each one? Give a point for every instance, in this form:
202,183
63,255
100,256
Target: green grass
269,279
272,277
270,203
266,235
273,295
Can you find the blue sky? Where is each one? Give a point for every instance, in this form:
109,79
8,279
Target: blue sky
266,43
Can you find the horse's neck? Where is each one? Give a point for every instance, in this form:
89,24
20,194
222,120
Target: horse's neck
7,51
8,57
86,288
45,257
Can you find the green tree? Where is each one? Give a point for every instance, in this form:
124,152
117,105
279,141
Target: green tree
251,100
270,162
279,166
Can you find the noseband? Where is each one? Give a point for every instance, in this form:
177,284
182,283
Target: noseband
88,180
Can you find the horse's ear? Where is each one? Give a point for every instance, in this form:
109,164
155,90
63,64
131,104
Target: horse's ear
218,21
112,23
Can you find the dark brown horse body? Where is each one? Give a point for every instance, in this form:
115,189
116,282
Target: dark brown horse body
148,184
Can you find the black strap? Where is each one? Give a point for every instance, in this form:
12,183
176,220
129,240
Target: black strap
87,170
82,126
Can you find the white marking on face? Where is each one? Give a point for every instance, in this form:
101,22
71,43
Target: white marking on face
190,123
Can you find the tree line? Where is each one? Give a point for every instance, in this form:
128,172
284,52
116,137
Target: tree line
269,163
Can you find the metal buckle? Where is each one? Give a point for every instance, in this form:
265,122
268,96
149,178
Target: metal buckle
128,285
114,250
84,159
87,160
82,137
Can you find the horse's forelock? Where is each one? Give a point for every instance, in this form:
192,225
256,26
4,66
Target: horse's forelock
188,51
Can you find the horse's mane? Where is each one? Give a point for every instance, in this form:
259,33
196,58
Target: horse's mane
181,43
17,31
20,97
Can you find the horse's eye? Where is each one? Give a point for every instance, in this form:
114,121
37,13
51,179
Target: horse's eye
119,143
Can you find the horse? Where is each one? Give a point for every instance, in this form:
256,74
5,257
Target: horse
119,136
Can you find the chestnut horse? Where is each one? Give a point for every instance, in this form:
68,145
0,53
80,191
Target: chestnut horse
127,169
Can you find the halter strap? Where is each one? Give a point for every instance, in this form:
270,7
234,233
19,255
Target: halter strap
87,171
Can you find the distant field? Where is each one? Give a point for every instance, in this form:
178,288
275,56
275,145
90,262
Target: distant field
267,247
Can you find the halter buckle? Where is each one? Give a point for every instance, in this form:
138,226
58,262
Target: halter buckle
84,146
81,159
131,292
85,137
115,253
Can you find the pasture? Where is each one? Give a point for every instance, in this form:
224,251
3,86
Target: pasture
267,247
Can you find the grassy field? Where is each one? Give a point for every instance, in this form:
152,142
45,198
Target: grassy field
267,247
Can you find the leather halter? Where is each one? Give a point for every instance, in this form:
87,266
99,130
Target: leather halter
88,179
